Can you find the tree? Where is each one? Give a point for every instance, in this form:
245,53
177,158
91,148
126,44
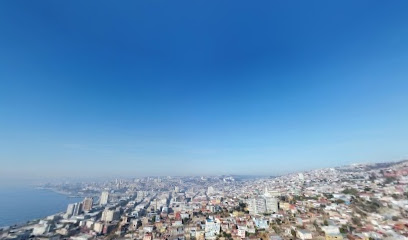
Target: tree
293,232
339,201
356,221
276,229
395,218
389,180
344,229
350,191
396,196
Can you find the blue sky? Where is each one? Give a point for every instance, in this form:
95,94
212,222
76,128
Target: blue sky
132,88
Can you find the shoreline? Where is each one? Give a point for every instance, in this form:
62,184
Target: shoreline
67,194
26,221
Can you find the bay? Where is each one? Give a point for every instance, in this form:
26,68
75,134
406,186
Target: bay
21,204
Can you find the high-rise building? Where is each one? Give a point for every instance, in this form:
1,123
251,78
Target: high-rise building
104,198
260,204
77,209
257,205
251,205
109,215
271,202
70,209
141,194
212,228
87,204
210,190
263,204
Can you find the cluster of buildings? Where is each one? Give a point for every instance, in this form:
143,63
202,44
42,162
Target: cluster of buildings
358,202
264,204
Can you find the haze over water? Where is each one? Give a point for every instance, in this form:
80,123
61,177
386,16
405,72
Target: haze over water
21,204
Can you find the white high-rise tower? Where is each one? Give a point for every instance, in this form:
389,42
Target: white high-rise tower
104,198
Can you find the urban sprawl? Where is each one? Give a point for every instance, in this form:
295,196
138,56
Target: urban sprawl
360,201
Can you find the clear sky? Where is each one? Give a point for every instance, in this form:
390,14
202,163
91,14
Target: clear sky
132,88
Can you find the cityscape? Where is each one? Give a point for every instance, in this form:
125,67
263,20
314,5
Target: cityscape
357,202
203,120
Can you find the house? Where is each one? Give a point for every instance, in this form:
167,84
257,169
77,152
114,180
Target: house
303,234
334,236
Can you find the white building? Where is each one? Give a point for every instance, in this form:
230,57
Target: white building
241,232
70,209
77,209
271,202
251,205
303,234
212,228
89,224
98,227
109,215
261,205
40,229
104,198
330,229
210,190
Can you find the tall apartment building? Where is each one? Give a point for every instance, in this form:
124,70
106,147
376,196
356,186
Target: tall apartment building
104,198
210,190
271,204
77,209
70,209
263,204
212,228
87,204
109,215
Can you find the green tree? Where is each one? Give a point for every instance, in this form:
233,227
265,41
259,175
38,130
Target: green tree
344,229
389,180
339,201
395,218
351,191
356,221
293,233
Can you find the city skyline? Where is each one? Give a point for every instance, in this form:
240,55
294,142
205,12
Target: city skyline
187,88
325,204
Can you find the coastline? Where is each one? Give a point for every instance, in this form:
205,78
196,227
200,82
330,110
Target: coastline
64,193
24,206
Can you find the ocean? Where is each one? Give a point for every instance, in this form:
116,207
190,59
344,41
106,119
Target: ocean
21,204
